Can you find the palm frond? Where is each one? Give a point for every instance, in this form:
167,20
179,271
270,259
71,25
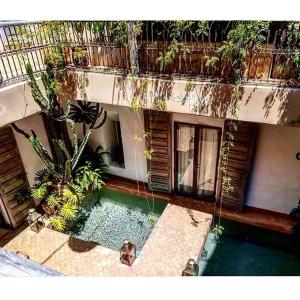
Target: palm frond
39,192
58,223
72,193
69,211
41,175
53,200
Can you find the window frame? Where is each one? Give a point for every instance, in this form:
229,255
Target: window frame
193,194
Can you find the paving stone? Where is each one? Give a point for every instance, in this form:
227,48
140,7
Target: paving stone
180,234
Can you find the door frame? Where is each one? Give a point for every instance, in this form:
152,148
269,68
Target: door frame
195,166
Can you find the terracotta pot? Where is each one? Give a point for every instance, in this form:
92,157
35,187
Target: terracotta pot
48,209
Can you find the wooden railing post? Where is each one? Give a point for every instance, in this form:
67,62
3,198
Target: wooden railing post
133,49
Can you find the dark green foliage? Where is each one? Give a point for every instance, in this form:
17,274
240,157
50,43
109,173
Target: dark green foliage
295,58
111,32
87,114
295,234
245,37
295,212
94,156
42,176
23,195
84,112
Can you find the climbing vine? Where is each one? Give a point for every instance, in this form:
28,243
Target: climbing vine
178,31
243,39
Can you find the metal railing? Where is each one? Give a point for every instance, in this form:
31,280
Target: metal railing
103,46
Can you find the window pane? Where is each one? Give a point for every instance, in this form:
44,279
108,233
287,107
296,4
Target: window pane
207,161
116,152
185,157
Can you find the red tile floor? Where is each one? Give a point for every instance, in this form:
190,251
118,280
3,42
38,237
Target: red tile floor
180,234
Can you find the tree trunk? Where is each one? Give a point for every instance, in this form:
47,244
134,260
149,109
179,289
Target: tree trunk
133,49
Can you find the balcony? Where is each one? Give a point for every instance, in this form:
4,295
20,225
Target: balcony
107,47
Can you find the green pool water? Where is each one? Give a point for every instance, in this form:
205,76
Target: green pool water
112,217
250,251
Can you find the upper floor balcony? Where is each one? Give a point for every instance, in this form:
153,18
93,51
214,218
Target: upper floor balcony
265,53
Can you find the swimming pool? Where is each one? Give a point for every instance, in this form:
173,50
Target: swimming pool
113,216
249,251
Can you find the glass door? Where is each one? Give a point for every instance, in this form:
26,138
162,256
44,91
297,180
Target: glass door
207,161
196,160
184,157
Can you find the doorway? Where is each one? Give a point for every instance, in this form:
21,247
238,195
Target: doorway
196,153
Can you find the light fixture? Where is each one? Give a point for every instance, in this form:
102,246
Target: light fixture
35,221
127,253
191,268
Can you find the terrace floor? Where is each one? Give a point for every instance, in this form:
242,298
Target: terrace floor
180,234
252,216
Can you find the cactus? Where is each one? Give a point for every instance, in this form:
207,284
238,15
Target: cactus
65,158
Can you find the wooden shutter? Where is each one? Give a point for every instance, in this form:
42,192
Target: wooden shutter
239,163
12,178
158,124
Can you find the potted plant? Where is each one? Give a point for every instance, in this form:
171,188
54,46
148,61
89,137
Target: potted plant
23,195
80,57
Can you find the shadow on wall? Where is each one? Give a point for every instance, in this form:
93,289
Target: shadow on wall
150,93
74,82
210,99
215,100
288,108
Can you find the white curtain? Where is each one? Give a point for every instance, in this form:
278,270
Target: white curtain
185,157
207,161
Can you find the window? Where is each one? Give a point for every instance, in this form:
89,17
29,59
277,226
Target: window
113,140
196,159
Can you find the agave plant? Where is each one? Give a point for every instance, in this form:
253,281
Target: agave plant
62,200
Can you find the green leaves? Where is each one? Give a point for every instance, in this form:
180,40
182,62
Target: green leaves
88,177
72,193
40,192
68,211
148,154
135,105
53,200
218,229
58,223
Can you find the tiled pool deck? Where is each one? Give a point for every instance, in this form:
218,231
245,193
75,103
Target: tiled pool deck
180,234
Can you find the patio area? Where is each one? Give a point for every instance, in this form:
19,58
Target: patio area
165,253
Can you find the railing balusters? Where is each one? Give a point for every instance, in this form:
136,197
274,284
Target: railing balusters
262,64
9,75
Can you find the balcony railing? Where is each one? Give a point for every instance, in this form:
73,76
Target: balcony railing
104,48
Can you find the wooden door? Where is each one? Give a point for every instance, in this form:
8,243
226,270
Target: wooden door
239,163
12,178
158,125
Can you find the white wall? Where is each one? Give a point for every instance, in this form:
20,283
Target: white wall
16,103
135,162
274,182
31,161
259,103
